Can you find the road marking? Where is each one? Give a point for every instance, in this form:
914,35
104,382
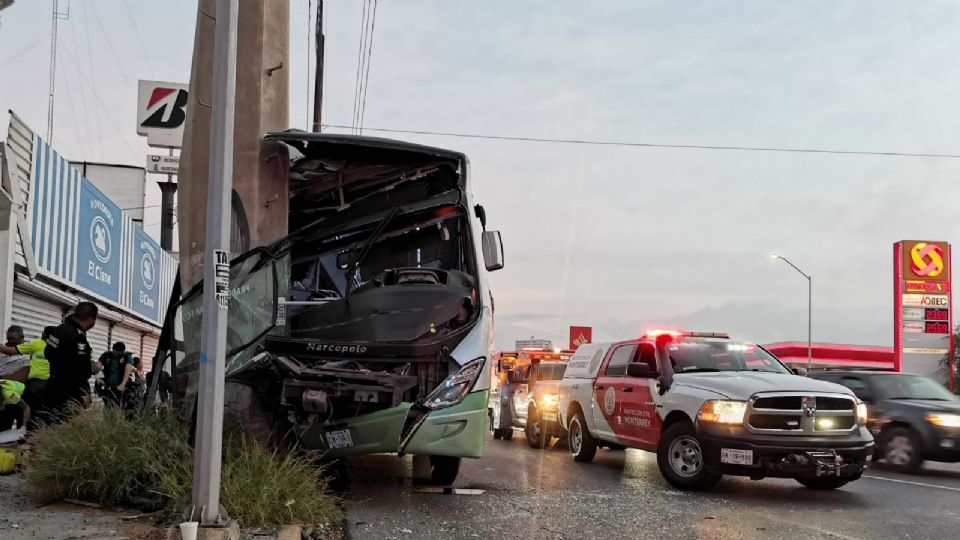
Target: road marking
923,484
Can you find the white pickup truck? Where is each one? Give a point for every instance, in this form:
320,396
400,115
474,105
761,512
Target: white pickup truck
709,406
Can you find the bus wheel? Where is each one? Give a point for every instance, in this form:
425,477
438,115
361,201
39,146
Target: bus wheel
444,469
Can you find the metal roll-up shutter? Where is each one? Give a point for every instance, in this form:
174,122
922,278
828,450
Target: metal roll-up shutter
130,337
150,344
99,338
34,313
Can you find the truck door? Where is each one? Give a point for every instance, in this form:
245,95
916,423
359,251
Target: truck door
608,393
521,393
638,412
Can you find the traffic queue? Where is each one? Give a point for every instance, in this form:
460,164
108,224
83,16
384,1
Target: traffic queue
708,406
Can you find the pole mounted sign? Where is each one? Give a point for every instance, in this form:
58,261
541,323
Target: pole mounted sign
580,335
161,113
923,307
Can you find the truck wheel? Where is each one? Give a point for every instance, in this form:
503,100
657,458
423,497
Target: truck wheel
494,431
901,449
582,444
823,483
680,458
444,469
536,434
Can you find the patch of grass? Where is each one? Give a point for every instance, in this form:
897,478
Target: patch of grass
102,456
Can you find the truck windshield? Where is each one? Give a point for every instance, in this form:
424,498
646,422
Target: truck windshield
692,355
911,387
551,372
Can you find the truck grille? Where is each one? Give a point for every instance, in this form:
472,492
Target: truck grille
801,413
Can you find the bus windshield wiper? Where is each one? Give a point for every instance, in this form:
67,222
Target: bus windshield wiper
367,246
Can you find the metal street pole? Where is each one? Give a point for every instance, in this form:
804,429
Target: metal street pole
216,279
809,307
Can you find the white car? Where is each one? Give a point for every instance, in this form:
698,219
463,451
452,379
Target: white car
709,406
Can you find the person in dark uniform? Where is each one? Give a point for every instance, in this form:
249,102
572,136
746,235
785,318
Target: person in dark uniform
69,355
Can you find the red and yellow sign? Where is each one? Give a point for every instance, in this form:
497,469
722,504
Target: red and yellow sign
580,335
927,286
925,261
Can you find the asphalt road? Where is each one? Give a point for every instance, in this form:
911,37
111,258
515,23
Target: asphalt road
531,494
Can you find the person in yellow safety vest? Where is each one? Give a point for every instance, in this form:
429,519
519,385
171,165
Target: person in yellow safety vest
12,408
39,366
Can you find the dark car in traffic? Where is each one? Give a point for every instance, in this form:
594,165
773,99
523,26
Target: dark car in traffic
913,418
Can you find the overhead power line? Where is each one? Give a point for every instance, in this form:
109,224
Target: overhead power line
653,145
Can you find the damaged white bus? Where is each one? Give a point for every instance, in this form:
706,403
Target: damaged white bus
368,328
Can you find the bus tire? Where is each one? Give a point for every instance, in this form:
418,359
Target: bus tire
444,469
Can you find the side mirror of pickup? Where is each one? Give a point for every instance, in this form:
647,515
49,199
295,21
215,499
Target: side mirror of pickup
800,371
640,370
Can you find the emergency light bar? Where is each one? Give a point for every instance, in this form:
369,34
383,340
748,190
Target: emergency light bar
675,333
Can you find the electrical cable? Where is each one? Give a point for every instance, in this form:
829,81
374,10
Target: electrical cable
366,78
136,30
360,49
106,36
656,145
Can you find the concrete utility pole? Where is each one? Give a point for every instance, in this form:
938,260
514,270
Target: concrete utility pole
261,170
209,434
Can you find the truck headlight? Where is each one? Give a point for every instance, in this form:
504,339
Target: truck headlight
719,411
944,420
861,413
549,401
455,387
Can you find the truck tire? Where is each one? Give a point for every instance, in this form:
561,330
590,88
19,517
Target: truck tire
582,444
902,449
444,469
680,458
823,483
536,434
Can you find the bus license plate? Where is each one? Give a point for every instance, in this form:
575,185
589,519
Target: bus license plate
550,416
735,456
339,439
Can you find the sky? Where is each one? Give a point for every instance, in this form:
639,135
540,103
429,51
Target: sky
610,237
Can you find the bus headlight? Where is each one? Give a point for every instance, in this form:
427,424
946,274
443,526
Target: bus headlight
549,401
719,411
455,387
944,420
861,413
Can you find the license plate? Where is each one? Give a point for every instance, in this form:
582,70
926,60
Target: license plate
550,416
734,456
339,439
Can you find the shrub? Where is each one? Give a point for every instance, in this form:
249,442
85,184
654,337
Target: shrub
102,456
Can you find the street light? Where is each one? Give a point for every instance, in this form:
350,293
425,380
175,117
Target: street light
809,305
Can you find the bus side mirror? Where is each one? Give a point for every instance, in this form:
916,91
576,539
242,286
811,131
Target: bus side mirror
492,250
481,214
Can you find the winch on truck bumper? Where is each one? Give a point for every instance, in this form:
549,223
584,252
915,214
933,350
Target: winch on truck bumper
785,456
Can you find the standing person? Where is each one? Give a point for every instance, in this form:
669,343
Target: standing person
69,355
117,367
136,387
39,367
